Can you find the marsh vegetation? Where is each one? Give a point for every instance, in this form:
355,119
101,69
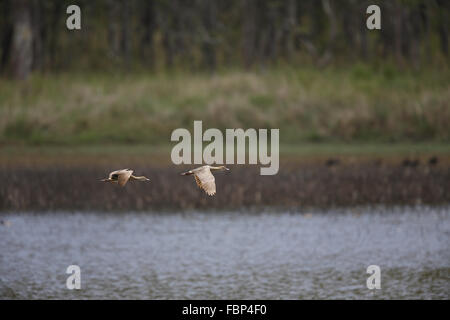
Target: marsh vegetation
359,104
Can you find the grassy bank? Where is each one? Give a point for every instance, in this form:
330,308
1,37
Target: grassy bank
112,156
356,104
316,175
30,188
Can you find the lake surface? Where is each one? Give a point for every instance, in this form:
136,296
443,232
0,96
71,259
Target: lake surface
234,255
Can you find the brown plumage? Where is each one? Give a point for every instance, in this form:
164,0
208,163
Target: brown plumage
122,176
204,178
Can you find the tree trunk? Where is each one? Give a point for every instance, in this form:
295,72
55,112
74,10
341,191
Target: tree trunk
248,32
291,25
327,56
398,39
38,52
208,42
125,39
22,40
6,32
444,16
148,24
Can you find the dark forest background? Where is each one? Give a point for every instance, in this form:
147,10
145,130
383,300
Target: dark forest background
139,69
364,115
206,35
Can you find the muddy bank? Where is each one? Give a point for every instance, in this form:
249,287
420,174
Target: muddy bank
321,184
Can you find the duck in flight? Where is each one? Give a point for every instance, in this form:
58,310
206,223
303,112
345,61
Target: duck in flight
122,176
204,178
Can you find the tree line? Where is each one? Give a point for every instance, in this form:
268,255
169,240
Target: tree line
209,34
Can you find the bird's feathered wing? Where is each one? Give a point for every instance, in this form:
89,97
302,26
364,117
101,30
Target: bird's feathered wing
206,181
116,173
122,176
199,183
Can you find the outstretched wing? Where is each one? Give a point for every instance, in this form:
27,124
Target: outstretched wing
199,183
206,181
115,174
124,176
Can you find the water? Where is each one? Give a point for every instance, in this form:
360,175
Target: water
228,255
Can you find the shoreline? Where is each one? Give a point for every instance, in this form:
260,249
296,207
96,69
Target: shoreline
59,182
305,211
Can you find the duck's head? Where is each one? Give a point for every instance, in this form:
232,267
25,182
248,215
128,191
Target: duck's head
220,168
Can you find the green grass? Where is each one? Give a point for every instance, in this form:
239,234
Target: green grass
117,156
303,149
368,149
356,105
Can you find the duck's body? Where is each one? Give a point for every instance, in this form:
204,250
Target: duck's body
204,178
122,176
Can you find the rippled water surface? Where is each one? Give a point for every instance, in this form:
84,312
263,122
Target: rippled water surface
235,255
